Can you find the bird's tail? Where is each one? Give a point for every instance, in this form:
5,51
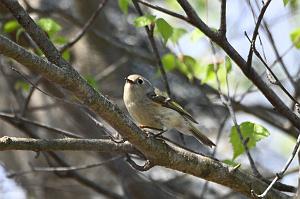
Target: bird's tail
200,136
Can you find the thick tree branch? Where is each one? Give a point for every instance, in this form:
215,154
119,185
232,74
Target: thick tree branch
65,144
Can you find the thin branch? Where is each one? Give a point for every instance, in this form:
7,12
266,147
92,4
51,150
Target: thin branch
108,132
59,131
255,32
28,98
86,26
278,57
63,169
275,49
222,28
33,84
277,81
149,31
164,10
281,173
65,144
220,130
111,68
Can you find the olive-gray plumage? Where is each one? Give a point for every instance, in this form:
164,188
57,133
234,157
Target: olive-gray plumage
150,108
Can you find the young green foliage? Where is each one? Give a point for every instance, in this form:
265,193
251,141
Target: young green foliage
252,132
295,37
169,61
11,26
50,26
164,28
285,2
22,85
123,5
144,20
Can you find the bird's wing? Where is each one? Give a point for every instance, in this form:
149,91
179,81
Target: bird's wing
158,97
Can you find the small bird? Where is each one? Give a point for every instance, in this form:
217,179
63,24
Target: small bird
152,109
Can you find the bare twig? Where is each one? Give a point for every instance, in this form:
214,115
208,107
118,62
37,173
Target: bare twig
166,11
28,98
17,118
255,32
63,169
111,68
281,173
277,81
220,130
86,26
45,93
110,134
149,31
278,57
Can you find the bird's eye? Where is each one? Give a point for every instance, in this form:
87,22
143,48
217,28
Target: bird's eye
140,81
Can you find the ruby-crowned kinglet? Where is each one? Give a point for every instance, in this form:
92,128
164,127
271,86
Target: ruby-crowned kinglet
154,110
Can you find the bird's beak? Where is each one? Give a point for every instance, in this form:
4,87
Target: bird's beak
129,81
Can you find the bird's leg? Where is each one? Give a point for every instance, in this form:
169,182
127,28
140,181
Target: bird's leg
161,131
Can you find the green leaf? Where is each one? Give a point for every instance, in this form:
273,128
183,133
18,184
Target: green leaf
196,35
50,26
252,131
144,20
295,37
66,55
123,5
210,75
60,40
285,2
24,86
169,61
177,34
164,29
11,25
230,162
